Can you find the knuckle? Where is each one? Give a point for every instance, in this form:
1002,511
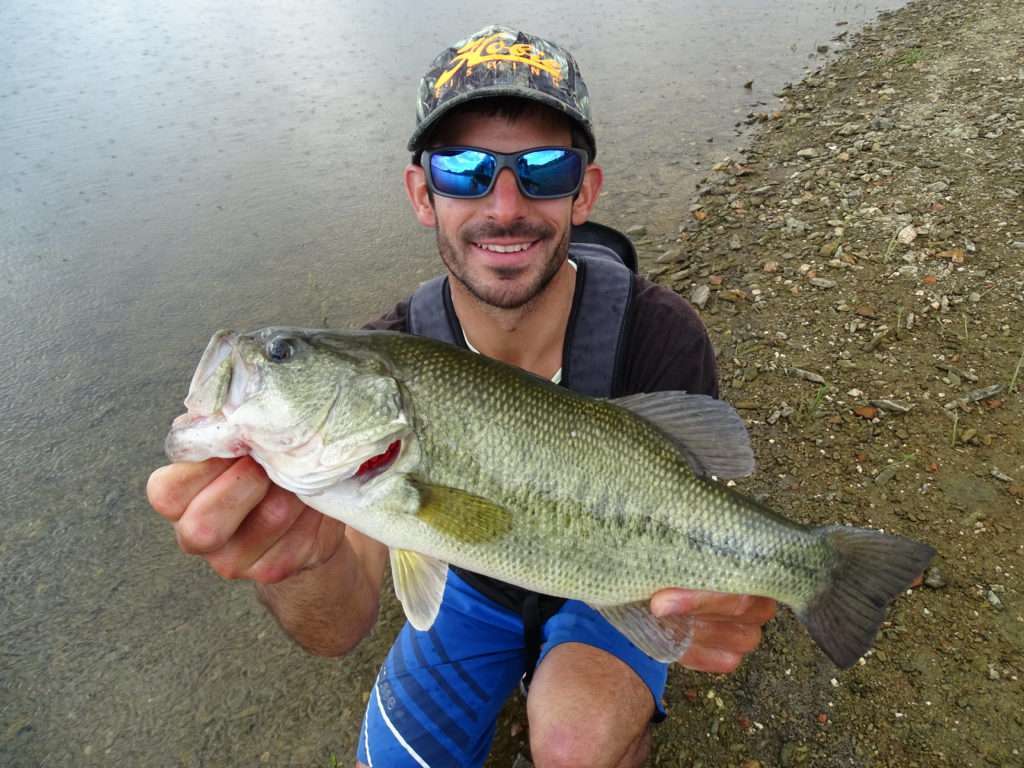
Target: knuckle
277,509
196,537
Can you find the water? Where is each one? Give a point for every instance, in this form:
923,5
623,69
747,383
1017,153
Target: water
169,169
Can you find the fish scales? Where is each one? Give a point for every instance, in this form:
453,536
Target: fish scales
633,533
450,457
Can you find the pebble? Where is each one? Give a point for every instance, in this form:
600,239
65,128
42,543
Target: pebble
700,295
809,152
938,186
821,282
907,235
637,229
993,600
934,579
735,243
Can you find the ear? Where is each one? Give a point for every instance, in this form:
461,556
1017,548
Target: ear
593,178
416,189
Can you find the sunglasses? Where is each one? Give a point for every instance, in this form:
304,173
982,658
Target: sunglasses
542,173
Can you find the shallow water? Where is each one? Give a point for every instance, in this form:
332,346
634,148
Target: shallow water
169,169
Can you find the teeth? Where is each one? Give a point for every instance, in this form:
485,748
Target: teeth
504,248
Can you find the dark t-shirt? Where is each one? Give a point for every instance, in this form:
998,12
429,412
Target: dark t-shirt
667,346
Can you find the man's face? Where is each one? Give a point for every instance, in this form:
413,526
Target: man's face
505,248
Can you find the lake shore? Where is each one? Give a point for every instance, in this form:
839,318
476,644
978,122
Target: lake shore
860,267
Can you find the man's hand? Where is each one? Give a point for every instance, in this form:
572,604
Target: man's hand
229,513
725,627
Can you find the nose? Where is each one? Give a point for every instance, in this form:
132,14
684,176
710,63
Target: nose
506,202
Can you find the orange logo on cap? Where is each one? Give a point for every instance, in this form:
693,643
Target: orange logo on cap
495,48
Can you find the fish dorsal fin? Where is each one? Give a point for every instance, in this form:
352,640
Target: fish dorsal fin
709,433
461,515
664,639
419,584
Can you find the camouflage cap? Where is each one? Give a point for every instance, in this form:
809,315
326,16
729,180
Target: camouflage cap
499,61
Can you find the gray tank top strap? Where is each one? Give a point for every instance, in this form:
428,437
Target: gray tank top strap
429,315
596,336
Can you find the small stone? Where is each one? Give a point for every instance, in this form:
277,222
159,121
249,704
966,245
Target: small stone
637,230
955,255
993,600
823,48
735,243
770,266
821,282
934,579
700,295
907,235
938,186
866,412
809,152
672,254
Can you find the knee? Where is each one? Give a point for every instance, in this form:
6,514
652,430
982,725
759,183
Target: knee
583,745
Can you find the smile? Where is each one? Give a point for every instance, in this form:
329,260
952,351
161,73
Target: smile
512,248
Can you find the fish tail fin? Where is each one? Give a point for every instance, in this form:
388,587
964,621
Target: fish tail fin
868,570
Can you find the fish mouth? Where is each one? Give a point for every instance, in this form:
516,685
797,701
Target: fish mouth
222,381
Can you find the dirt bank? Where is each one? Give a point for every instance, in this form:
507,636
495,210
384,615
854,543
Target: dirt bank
861,270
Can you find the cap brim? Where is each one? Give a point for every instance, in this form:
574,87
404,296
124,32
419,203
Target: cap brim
500,91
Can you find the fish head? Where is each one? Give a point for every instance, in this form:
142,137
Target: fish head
311,410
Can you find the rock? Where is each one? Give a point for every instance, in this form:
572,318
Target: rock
809,152
907,235
821,282
735,243
796,226
770,266
672,254
993,600
823,48
637,230
934,579
699,296
850,129
938,186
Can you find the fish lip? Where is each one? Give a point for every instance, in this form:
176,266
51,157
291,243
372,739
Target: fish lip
209,399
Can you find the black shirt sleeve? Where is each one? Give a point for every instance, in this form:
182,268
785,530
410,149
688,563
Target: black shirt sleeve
394,320
667,345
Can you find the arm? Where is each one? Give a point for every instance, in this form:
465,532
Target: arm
320,580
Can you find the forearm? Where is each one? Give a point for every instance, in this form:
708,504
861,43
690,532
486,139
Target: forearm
329,609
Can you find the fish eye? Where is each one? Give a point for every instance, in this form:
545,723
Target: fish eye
280,349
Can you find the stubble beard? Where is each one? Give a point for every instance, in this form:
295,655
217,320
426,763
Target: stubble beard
502,292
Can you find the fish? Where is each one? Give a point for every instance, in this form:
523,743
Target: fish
452,458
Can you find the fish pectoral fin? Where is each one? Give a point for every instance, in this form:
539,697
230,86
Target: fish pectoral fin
461,515
663,639
419,584
709,433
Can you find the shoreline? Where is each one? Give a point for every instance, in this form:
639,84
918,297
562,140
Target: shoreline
860,268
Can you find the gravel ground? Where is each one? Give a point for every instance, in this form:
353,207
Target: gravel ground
861,270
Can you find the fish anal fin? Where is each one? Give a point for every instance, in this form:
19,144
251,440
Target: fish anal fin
461,515
664,639
419,584
709,433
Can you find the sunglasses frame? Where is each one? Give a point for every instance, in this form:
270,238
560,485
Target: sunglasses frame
504,160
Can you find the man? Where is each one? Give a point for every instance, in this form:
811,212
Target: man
502,170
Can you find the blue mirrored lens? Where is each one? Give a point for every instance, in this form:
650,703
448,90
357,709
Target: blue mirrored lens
461,173
549,172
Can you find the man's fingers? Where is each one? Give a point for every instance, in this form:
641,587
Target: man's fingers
259,531
218,510
170,489
298,548
727,636
719,605
714,660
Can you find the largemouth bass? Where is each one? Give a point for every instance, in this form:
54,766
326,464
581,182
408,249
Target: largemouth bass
450,457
